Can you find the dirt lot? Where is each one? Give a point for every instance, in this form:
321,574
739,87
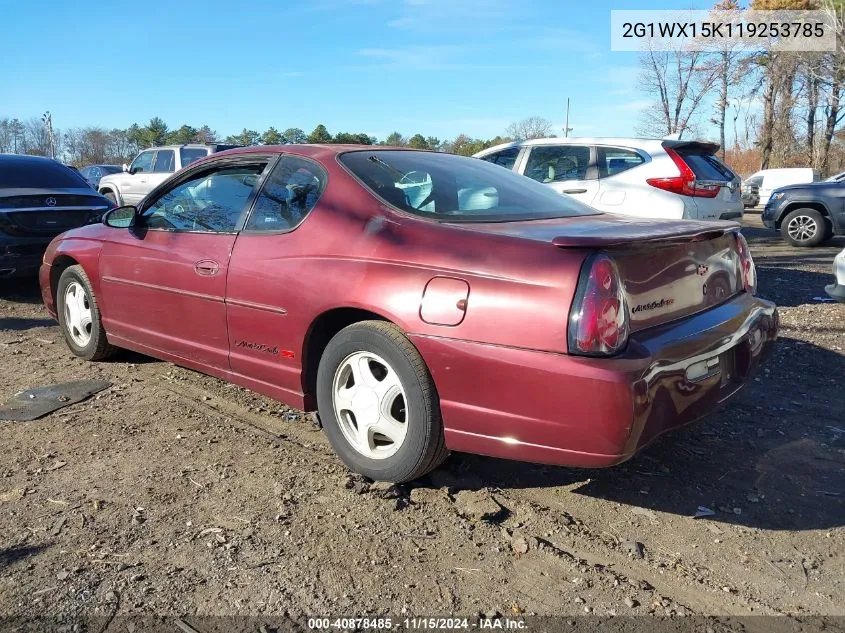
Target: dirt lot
175,494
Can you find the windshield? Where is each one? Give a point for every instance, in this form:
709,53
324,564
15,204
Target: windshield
39,174
457,189
110,169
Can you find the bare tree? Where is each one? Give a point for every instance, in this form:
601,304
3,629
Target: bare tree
532,127
678,82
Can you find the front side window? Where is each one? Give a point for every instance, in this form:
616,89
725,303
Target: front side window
505,158
558,164
211,201
615,160
165,161
188,155
143,163
291,191
454,188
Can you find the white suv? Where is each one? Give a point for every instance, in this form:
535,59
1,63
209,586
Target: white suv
650,178
151,168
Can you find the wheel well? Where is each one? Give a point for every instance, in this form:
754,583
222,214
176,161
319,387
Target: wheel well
59,265
803,205
319,334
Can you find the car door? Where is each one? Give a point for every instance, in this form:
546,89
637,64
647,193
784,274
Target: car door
621,190
133,181
163,282
568,169
264,290
164,166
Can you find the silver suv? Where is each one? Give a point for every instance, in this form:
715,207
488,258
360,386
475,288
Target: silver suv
151,168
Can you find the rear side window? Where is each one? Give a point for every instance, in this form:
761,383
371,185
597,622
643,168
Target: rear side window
454,188
615,160
505,158
558,164
188,155
291,191
165,160
706,166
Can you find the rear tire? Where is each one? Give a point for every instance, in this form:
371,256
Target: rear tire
79,316
804,228
378,404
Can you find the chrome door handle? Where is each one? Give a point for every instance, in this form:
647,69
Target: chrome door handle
574,191
206,267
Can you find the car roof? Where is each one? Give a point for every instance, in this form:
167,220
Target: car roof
27,159
627,141
309,150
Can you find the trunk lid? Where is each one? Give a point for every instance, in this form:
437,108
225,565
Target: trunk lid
669,269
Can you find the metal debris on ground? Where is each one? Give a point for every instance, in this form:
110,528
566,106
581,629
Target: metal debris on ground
703,511
35,403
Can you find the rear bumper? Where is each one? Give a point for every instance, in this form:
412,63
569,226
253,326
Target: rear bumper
21,256
731,215
567,410
836,291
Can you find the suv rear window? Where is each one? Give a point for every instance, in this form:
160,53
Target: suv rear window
706,166
188,155
453,188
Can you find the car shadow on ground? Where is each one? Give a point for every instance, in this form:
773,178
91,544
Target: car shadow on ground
773,459
789,287
12,555
15,324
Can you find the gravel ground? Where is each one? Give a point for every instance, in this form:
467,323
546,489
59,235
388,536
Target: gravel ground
174,494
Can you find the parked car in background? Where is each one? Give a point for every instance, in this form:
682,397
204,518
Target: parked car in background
151,168
840,177
807,214
750,195
491,316
837,288
770,179
40,198
93,173
653,178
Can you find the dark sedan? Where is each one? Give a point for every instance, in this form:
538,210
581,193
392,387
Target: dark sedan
40,198
93,173
807,214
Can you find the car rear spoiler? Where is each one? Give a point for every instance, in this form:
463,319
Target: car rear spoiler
634,237
705,147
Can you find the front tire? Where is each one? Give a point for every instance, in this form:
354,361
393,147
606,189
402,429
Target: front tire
804,228
378,404
111,196
79,316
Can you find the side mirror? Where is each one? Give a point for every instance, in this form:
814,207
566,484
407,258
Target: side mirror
125,167
121,217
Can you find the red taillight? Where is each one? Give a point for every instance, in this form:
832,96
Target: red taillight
686,184
598,321
748,272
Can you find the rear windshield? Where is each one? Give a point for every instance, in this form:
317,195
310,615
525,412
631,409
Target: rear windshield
189,155
706,166
457,189
39,174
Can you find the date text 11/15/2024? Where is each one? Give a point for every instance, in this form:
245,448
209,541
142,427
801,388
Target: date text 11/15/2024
415,624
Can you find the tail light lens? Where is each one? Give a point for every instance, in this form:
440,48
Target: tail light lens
598,320
748,272
686,184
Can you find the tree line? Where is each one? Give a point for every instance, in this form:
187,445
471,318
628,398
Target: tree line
802,94
98,145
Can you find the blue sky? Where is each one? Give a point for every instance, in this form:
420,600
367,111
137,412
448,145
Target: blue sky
438,67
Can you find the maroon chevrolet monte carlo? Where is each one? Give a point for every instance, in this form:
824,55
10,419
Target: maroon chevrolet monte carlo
420,302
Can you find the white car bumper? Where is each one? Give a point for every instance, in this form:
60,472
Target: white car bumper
837,289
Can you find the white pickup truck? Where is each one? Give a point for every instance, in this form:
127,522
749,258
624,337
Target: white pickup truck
151,168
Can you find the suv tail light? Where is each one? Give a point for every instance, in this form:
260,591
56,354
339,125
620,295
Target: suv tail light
598,320
748,272
686,184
